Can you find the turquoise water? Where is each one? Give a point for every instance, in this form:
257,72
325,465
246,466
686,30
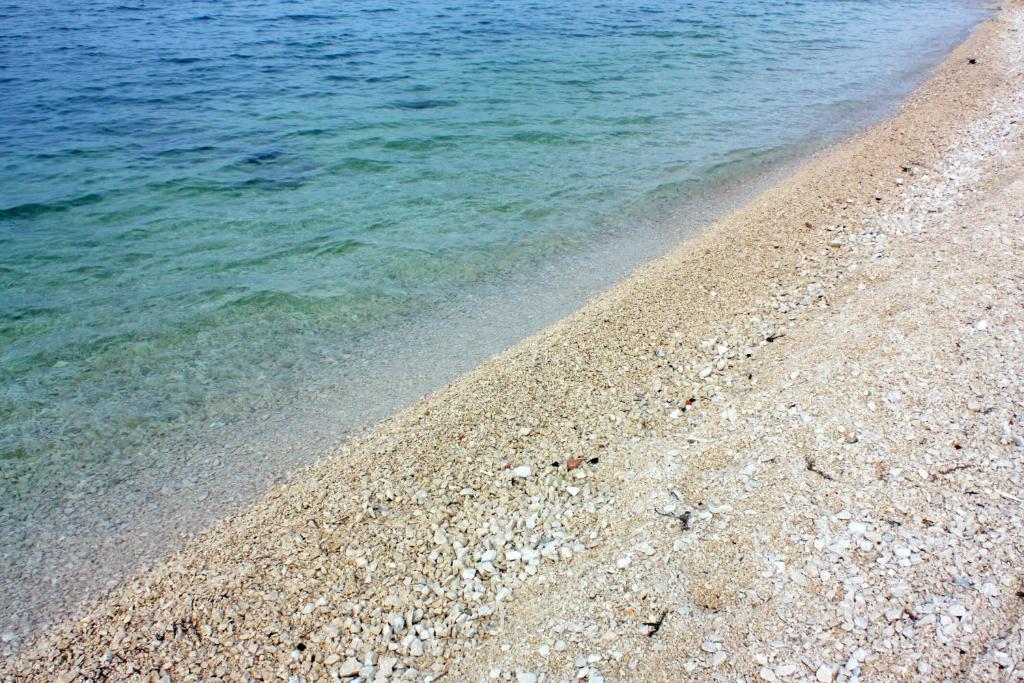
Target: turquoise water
204,205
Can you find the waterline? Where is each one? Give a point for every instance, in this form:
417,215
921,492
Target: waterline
207,283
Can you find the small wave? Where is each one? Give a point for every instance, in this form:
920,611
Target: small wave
285,183
264,156
198,186
361,165
667,191
634,120
307,132
323,246
29,312
266,303
181,60
33,209
657,34
540,137
200,149
93,272
386,79
307,17
577,82
340,247
422,144
423,104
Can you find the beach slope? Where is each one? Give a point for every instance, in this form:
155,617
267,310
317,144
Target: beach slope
790,449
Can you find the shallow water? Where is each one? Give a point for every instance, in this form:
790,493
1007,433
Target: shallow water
213,212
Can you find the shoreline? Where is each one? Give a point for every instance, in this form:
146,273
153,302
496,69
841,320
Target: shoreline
588,387
173,497
308,429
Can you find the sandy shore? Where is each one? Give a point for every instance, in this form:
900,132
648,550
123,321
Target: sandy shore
790,449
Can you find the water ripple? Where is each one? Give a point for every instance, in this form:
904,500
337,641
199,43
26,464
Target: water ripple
199,198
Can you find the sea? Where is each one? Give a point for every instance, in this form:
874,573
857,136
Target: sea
233,234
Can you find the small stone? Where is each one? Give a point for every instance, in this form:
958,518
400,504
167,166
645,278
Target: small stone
1002,659
526,677
416,648
719,658
521,472
957,611
767,674
387,665
350,668
825,673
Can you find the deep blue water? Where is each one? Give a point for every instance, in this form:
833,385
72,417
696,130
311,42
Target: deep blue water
202,202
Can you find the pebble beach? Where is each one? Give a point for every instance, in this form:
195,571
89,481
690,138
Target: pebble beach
789,450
